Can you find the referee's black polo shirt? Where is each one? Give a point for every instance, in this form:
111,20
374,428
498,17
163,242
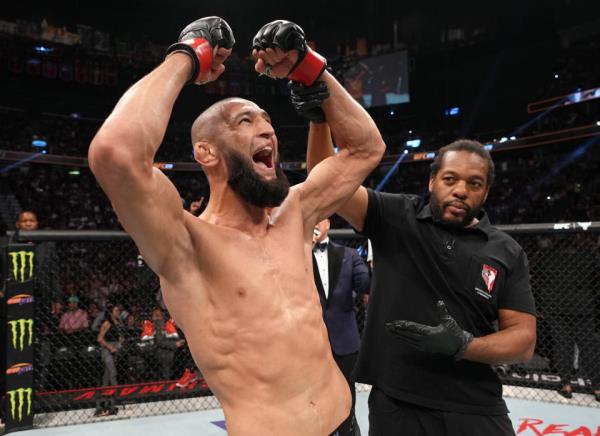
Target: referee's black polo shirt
418,261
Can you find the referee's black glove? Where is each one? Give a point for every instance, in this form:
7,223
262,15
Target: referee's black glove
307,100
446,338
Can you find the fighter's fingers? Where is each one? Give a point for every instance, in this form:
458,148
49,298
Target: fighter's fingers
217,70
221,54
280,54
260,66
270,57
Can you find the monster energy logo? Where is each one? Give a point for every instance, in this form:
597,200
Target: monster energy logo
17,399
19,329
22,265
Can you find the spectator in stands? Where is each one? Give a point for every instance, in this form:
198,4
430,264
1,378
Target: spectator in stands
98,292
197,206
110,338
27,220
97,321
166,341
47,282
136,364
93,310
124,312
50,339
56,311
132,326
70,288
74,319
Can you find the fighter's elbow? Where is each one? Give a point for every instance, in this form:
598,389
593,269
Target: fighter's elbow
108,152
374,149
100,152
380,147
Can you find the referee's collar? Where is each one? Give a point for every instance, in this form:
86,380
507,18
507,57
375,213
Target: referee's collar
483,225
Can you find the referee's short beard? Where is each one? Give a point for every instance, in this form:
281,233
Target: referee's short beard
438,208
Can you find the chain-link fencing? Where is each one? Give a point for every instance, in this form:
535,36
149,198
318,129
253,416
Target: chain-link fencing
95,290
564,261
104,344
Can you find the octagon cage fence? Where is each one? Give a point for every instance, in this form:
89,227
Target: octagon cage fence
54,375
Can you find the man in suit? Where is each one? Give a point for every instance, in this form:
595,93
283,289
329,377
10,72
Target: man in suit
339,272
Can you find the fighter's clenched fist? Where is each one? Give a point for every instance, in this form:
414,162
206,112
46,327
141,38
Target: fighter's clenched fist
208,41
281,51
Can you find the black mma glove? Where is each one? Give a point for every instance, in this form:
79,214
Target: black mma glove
307,100
289,36
447,338
199,40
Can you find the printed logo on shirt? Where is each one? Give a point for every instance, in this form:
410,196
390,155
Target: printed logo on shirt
489,274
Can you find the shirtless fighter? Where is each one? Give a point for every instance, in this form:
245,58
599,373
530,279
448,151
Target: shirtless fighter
238,279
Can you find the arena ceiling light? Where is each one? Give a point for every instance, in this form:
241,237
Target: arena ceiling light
452,112
43,49
413,143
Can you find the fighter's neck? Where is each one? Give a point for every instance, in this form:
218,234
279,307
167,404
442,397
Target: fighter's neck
230,211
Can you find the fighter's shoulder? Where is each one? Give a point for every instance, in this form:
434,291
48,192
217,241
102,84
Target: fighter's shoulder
294,194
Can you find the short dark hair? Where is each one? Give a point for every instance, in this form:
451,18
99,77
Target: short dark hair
470,146
23,212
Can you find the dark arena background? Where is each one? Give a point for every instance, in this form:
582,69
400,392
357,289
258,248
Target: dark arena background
523,78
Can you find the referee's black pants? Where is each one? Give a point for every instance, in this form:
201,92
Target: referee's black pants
391,417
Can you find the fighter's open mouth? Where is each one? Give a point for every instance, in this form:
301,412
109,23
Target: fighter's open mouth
265,156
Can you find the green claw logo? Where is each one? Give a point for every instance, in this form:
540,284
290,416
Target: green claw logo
20,329
18,398
22,265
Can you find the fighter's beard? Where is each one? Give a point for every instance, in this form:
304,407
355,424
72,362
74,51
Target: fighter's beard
251,187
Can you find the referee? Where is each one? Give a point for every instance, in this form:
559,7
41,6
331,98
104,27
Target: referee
450,296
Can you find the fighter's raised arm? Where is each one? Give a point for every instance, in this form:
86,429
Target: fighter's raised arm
320,147
121,154
281,51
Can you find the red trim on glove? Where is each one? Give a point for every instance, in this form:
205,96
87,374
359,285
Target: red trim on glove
204,53
309,69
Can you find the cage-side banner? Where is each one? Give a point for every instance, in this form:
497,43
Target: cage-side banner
19,357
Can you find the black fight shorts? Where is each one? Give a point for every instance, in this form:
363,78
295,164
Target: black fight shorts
348,428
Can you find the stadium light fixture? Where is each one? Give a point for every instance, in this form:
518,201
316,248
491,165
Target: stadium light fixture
43,49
